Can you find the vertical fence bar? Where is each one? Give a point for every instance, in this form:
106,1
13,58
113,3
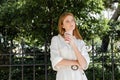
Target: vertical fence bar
103,66
93,59
112,55
10,57
46,75
34,64
22,60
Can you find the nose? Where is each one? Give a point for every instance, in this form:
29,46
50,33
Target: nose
72,24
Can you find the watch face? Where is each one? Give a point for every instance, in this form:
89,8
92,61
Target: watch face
74,67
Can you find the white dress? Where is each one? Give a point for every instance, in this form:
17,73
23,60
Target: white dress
59,50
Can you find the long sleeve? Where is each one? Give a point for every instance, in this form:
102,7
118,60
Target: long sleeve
84,52
55,53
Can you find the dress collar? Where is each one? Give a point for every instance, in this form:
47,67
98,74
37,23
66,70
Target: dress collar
63,40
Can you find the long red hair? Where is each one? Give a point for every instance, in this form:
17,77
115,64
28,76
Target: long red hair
62,30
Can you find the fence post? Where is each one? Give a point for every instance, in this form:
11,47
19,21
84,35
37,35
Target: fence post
10,60
45,57
93,58
103,76
112,53
22,44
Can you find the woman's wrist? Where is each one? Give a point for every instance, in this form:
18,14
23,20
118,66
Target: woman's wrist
76,62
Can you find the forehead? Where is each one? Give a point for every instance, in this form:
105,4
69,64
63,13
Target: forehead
68,17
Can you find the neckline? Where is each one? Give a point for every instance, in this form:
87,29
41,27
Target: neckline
62,39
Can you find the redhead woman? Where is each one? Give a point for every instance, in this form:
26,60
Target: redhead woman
68,53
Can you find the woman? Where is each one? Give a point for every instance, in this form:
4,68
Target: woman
68,53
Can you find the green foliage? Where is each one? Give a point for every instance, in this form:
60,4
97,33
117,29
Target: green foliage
33,18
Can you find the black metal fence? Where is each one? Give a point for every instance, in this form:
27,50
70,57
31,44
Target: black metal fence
21,62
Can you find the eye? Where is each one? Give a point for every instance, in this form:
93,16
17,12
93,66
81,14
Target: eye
67,21
73,20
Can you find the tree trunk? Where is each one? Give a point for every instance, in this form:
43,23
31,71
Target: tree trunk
116,14
105,40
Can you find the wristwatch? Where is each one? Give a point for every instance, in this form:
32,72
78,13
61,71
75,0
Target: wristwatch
74,67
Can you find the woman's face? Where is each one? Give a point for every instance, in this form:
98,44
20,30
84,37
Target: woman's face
69,23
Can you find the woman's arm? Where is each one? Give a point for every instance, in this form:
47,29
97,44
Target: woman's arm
81,60
65,62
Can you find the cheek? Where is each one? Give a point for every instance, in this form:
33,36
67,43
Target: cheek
66,26
73,27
